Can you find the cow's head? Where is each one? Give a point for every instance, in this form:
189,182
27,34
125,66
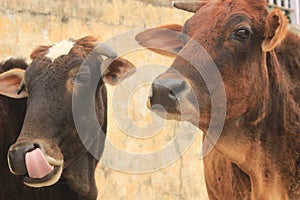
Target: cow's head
49,147
238,36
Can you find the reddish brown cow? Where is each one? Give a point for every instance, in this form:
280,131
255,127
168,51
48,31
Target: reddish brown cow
49,156
258,153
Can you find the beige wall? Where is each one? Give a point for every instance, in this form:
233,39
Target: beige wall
27,23
24,24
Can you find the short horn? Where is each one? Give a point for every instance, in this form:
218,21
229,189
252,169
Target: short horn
104,49
190,6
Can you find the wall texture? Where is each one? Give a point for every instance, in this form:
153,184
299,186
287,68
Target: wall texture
25,24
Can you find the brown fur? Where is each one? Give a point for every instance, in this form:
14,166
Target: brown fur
49,119
78,162
257,155
12,113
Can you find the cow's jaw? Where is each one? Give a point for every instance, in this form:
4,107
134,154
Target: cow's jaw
47,180
47,174
51,178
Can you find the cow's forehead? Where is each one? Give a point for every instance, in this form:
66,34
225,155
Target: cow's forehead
216,13
61,48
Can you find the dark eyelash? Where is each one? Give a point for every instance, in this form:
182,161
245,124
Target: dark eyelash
239,35
21,87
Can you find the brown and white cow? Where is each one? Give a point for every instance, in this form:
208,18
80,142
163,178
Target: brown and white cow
54,161
257,156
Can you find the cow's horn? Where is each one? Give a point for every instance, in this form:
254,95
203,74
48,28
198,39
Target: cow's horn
104,49
190,6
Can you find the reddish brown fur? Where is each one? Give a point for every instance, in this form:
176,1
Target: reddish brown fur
84,45
258,154
40,51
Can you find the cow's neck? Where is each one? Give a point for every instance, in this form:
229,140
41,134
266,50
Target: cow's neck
282,107
275,102
279,131
11,116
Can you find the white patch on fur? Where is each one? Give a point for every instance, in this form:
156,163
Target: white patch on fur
61,48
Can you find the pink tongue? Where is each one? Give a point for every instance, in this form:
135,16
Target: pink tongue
36,164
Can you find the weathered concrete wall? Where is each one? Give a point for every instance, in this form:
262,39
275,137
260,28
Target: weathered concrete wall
24,24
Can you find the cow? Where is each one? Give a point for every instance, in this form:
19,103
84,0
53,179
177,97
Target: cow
257,155
12,112
59,145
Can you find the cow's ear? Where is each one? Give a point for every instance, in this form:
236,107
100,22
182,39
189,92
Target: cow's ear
10,82
276,27
117,70
164,40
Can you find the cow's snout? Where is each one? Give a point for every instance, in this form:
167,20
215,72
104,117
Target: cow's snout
34,162
16,157
167,93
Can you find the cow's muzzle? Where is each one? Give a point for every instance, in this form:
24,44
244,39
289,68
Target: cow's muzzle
166,94
37,168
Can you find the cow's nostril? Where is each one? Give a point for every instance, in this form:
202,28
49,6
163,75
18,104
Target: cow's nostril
16,158
29,148
178,87
172,95
36,146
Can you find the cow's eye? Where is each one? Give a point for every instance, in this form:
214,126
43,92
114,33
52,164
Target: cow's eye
241,33
81,78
